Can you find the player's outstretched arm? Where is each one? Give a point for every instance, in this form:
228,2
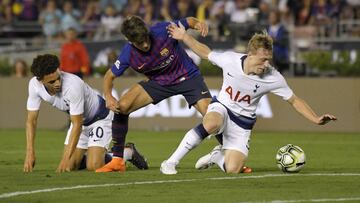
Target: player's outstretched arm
304,109
195,24
178,32
65,164
111,102
31,123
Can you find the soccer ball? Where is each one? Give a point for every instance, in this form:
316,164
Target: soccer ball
290,158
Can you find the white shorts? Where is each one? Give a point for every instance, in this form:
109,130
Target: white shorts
97,134
234,136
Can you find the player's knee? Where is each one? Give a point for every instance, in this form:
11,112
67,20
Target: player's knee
93,165
211,127
124,107
233,169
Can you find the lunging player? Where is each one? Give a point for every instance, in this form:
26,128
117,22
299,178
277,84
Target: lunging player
246,78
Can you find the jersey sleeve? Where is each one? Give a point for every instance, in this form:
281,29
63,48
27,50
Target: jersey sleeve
183,21
76,97
221,59
34,100
283,90
122,62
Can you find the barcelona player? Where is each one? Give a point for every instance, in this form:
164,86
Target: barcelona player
170,71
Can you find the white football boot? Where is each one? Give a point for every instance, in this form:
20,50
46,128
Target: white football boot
168,168
206,161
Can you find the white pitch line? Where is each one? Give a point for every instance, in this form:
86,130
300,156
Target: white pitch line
18,193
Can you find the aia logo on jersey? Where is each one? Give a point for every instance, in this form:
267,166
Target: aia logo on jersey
164,52
237,96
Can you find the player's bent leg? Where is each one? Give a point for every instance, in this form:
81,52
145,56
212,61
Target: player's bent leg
136,97
76,158
202,105
234,161
95,158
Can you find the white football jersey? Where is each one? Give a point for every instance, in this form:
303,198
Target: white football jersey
241,93
76,97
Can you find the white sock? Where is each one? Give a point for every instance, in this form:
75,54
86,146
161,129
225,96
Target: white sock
127,154
189,142
219,159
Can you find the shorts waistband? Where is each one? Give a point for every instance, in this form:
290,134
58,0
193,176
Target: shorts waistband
242,121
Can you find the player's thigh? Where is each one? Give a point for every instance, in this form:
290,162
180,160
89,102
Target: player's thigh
234,161
95,157
214,120
135,98
202,105
236,142
99,133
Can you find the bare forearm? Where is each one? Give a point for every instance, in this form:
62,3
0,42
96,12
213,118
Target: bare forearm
199,48
30,136
108,83
305,110
74,139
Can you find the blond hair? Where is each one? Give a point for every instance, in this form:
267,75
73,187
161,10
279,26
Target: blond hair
260,40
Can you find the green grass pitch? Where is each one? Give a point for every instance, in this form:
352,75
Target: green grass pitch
331,174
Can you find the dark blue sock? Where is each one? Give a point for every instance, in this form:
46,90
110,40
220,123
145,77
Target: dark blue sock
219,138
119,131
200,130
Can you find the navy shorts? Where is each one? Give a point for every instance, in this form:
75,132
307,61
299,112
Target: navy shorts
193,90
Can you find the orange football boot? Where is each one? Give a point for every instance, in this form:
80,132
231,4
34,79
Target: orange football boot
116,164
246,169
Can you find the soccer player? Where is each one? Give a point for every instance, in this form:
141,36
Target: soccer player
246,78
170,71
90,129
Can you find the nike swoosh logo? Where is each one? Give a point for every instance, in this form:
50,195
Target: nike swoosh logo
229,74
96,140
204,92
140,67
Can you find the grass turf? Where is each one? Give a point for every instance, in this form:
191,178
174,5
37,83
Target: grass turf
332,171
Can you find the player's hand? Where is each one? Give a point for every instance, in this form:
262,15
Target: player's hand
202,28
112,104
177,32
29,162
326,118
64,166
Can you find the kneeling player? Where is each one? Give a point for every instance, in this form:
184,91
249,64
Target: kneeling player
90,129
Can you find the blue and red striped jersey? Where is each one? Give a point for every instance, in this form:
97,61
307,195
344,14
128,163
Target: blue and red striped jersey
166,62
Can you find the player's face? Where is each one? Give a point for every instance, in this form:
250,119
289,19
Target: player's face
143,45
52,82
260,61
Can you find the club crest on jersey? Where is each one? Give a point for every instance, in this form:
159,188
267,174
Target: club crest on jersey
237,96
164,52
117,64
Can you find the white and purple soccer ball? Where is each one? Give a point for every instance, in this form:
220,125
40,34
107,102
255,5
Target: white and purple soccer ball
290,158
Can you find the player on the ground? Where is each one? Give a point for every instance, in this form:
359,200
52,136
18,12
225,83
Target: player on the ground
246,78
90,129
169,69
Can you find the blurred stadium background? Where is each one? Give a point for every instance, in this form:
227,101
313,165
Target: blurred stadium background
316,48
317,51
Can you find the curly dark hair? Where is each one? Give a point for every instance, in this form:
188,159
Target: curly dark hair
134,29
44,65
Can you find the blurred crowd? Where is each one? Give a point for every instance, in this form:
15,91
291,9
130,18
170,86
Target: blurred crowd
101,19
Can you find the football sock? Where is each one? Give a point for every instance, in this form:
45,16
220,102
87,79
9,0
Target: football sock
191,139
219,138
219,159
128,154
119,131
108,158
